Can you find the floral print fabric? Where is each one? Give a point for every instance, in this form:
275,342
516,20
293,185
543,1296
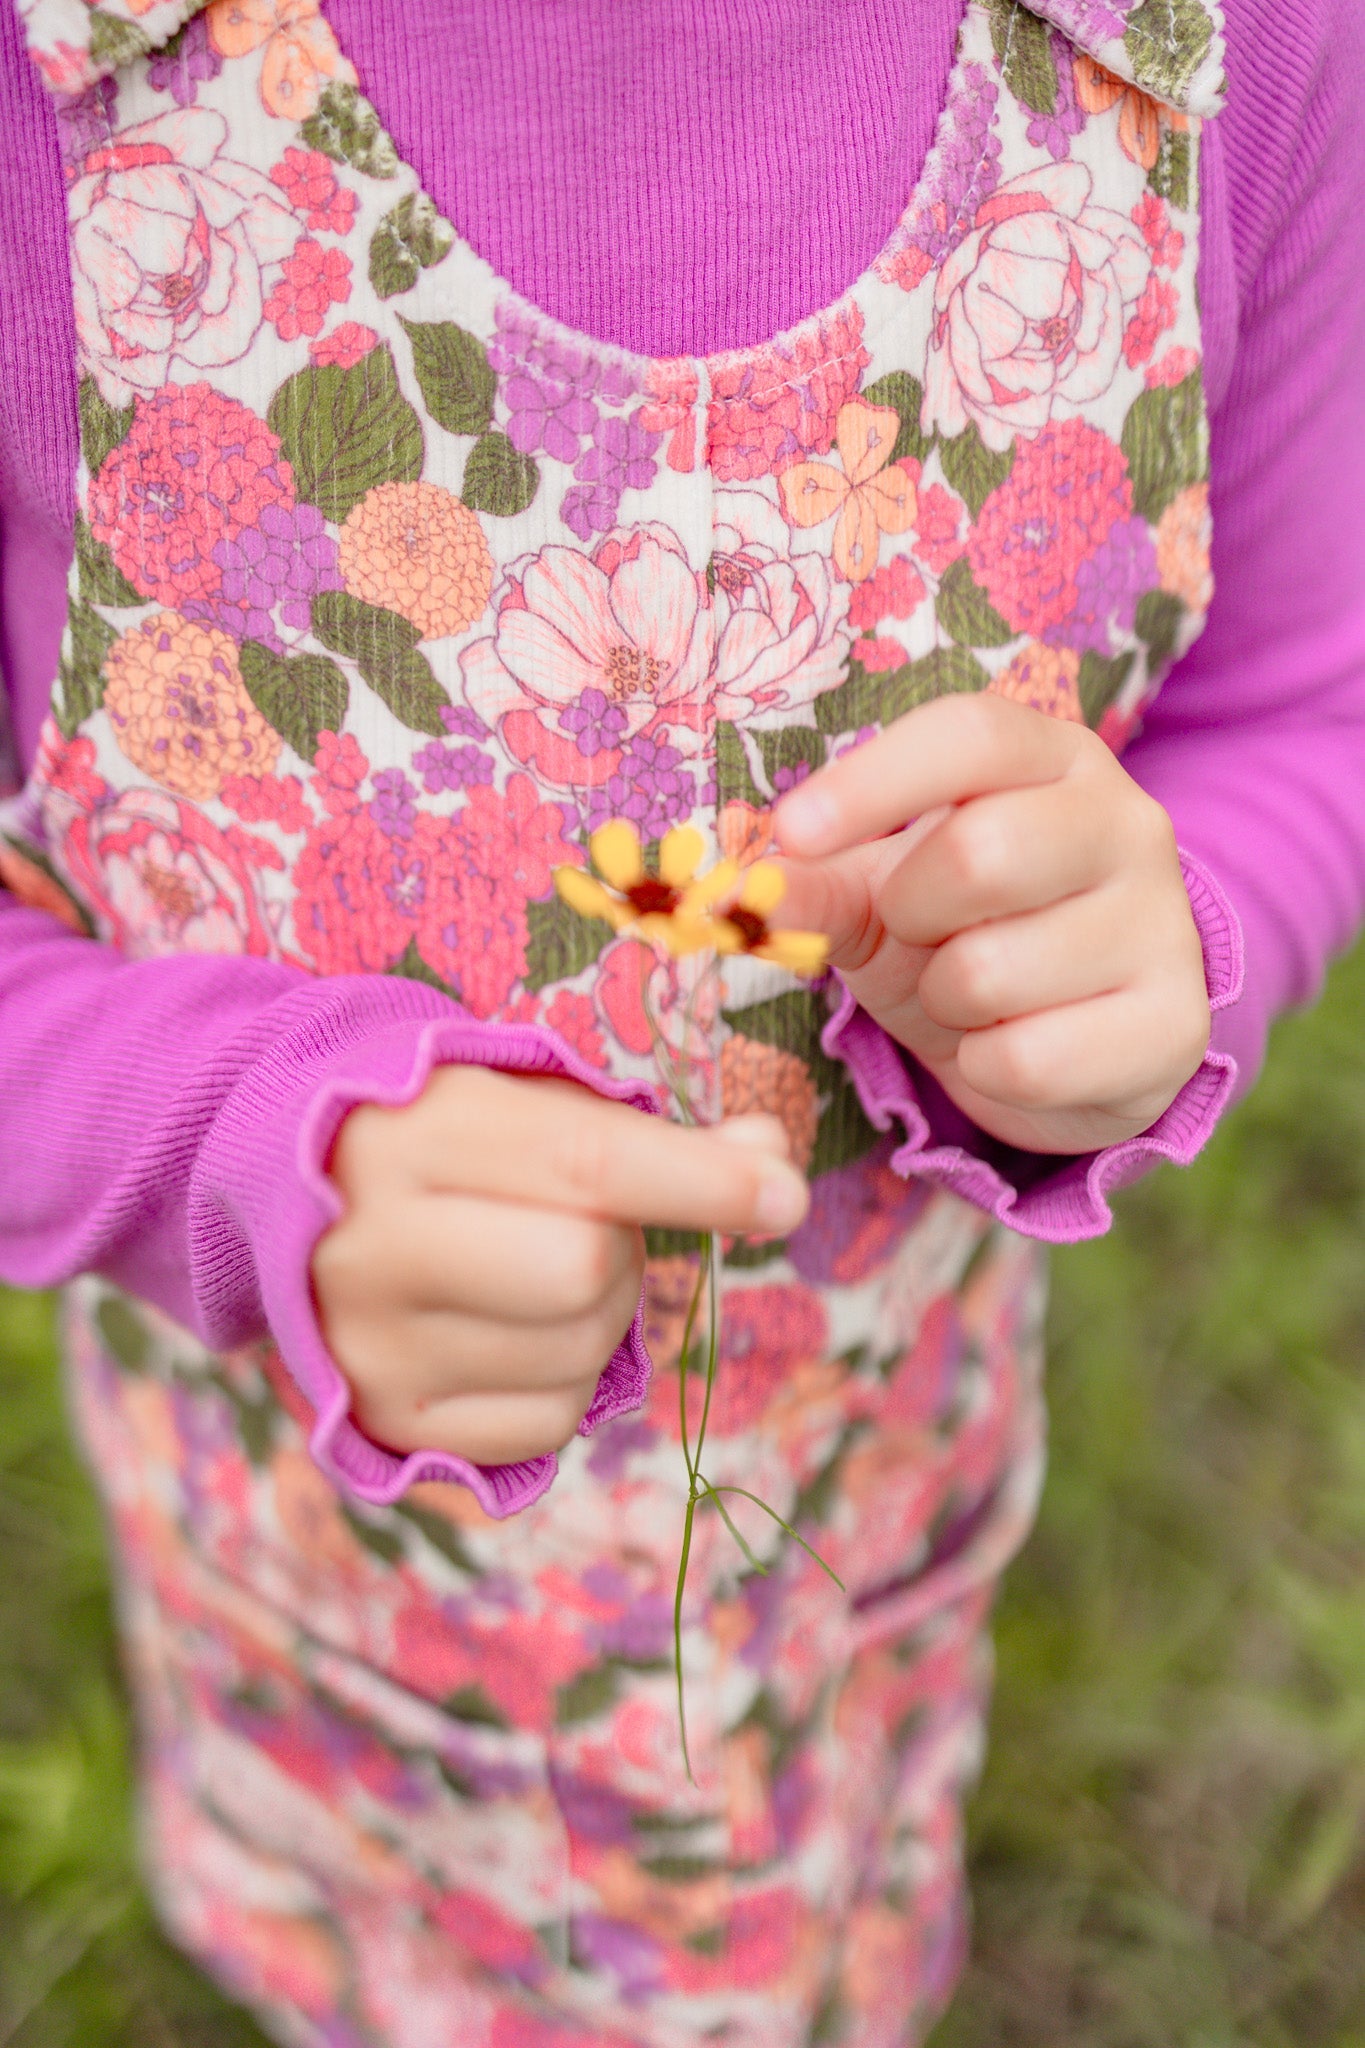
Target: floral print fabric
387,592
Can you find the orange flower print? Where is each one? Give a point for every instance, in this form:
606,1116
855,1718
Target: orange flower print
869,498
419,550
300,49
179,708
1139,117
1182,548
758,1078
1045,678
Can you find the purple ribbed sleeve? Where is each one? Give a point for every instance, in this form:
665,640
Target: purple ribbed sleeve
682,179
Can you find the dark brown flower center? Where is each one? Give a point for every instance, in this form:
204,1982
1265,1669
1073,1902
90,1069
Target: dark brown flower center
652,898
752,929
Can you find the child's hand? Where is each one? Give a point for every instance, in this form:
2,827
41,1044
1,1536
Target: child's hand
490,1257
1030,940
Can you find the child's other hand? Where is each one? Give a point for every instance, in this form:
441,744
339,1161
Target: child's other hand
490,1256
1030,940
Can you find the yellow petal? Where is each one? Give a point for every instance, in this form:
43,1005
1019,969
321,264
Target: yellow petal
681,853
811,492
866,434
764,887
616,854
709,888
583,893
799,952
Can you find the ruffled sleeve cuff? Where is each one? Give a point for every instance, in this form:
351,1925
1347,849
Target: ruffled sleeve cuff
296,1126
1058,1200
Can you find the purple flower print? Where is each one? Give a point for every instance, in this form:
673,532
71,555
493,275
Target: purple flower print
962,172
1092,21
463,723
787,778
442,767
1108,586
544,414
595,722
614,1442
85,123
621,458
651,788
1053,132
187,62
271,571
394,804
634,1959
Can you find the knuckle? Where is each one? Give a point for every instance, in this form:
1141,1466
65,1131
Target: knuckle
978,849
581,1261
1022,1076
972,966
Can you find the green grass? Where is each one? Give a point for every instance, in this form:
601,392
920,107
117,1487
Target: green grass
1169,1844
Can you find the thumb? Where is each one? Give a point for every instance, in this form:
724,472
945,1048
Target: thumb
838,897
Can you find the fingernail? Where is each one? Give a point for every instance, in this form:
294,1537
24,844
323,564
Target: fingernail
781,1202
805,818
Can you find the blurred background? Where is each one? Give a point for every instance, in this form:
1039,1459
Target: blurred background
1169,1842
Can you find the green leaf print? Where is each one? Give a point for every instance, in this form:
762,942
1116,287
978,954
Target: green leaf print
344,431
410,966
300,695
1165,438
101,579
383,647
1023,50
1100,682
1167,41
347,129
562,943
965,612
122,1330
588,1695
876,699
1160,615
734,777
471,1703
456,377
103,426
794,747
973,469
1170,175
498,478
407,241
84,648
114,43
906,394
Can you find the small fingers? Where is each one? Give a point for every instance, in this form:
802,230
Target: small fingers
1128,1054
1067,953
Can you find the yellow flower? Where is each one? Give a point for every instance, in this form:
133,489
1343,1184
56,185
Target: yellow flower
869,498
680,910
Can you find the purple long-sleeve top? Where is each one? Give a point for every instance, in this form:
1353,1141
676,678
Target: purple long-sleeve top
681,180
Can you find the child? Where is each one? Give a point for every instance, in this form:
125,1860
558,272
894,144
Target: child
389,587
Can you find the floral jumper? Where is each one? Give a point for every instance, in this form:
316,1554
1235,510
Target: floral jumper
387,590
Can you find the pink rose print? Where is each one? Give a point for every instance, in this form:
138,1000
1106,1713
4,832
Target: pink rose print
1054,511
195,471
309,183
169,239
1030,310
164,880
780,618
345,346
589,649
772,407
315,279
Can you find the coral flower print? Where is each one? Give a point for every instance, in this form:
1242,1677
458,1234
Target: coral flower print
314,280
179,708
1182,548
769,407
419,550
196,470
1139,117
345,346
309,183
1030,310
1055,510
300,49
168,241
763,1078
869,498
